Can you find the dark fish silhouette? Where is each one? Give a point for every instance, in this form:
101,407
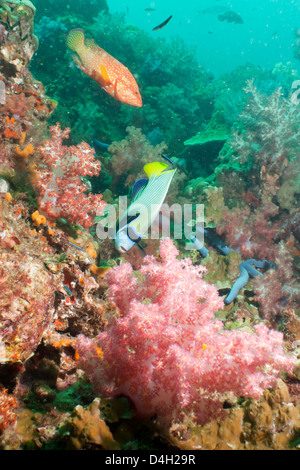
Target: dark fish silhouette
231,17
215,10
162,24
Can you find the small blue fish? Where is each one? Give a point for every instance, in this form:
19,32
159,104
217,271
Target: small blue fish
68,290
99,144
75,246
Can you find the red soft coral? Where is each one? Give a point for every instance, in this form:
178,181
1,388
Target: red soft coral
277,289
58,181
168,352
8,407
251,233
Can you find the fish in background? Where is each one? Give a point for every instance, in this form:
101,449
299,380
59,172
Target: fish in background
216,10
231,17
107,71
223,13
163,24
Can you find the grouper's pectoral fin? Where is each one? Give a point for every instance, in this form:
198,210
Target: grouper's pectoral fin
101,77
104,75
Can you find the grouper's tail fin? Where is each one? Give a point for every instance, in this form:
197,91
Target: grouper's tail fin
75,39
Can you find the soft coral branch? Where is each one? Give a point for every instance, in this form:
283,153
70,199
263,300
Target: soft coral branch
58,181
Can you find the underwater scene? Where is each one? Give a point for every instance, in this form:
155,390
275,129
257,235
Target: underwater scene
149,225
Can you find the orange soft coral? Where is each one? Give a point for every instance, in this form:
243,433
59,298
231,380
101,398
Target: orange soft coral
28,150
10,134
38,219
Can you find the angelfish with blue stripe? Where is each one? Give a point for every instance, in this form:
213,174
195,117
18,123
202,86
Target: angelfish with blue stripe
147,197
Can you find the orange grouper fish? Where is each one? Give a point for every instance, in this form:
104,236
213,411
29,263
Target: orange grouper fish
111,75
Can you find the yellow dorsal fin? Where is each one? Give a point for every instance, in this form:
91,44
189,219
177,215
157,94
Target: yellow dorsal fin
154,168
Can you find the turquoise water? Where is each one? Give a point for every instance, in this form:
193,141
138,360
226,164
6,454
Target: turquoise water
265,38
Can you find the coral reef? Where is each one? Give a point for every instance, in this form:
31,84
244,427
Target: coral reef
25,313
100,351
269,423
264,143
24,106
8,406
88,426
168,353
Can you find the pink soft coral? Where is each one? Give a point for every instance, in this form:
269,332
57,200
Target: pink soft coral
58,181
168,352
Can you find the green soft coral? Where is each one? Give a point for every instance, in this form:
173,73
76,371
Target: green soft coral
222,270
214,205
217,129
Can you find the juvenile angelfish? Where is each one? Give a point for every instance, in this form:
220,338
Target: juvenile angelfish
111,75
148,195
